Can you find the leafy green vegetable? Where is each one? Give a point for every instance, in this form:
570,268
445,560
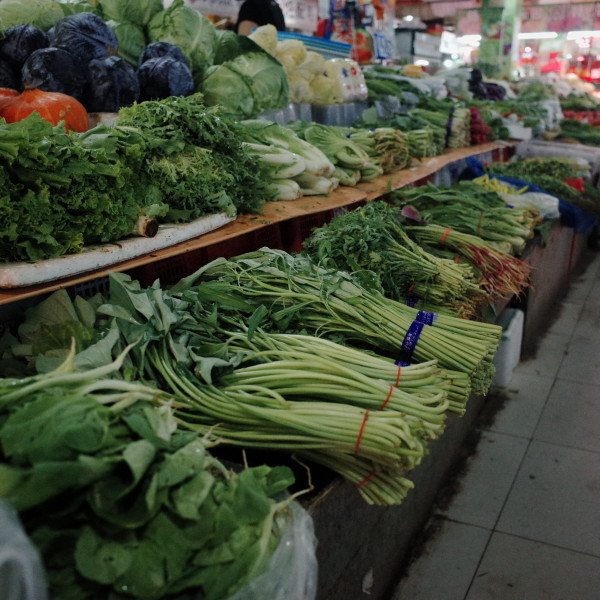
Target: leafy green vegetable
225,87
132,41
190,30
547,173
177,123
290,392
372,238
579,102
246,85
502,275
71,7
584,133
469,208
268,79
230,45
302,296
118,498
190,176
41,13
66,190
265,132
62,191
388,146
137,12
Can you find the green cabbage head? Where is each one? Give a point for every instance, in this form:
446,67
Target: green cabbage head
131,40
246,85
269,82
138,12
41,13
225,87
188,29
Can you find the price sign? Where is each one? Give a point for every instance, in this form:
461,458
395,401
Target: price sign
384,46
300,14
220,8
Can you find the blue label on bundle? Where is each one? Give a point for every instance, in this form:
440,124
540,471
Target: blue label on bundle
411,302
426,317
402,363
411,339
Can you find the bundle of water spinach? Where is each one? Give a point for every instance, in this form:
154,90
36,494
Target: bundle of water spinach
372,238
469,208
300,296
237,382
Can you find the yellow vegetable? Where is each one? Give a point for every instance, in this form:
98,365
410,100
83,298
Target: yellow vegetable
495,185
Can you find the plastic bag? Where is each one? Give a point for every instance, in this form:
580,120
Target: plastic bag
290,575
547,205
292,570
22,575
571,216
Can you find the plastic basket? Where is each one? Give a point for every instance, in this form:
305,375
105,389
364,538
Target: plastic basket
87,289
269,236
297,230
169,270
327,48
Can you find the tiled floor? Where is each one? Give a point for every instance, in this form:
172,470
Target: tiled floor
524,523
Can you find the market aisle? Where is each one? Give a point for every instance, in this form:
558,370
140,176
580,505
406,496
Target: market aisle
525,520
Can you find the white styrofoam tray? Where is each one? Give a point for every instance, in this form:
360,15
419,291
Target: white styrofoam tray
21,274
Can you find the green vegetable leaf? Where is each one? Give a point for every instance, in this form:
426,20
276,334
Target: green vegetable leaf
101,560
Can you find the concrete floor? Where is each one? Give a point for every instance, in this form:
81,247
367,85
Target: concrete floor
523,522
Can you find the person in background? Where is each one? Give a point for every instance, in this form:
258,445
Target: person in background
254,13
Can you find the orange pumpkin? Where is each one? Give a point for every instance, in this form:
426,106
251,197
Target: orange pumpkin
7,94
52,106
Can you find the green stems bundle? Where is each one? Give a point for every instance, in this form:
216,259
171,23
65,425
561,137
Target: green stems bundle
299,295
469,208
502,274
372,238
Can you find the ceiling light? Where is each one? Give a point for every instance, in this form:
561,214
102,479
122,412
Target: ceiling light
573,35
469,40
540,35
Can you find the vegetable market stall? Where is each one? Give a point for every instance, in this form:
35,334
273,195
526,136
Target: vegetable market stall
253,398
365,560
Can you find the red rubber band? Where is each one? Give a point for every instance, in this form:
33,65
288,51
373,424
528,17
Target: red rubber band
457,259
366,479
389,394
398,376
445,234
411,288
361,431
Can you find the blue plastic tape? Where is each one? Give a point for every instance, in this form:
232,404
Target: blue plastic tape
411,339
426,317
